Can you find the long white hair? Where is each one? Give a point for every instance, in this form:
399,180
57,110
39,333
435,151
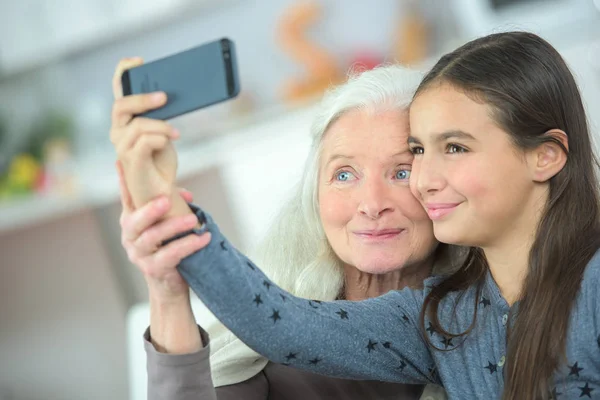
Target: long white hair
295,253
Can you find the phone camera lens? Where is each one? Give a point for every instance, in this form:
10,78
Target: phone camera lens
227,56
225,46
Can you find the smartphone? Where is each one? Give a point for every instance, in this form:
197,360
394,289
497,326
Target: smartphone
193,79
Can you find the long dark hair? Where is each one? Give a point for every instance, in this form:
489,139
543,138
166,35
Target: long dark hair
530,90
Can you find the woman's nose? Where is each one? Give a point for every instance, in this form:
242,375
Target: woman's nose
375,199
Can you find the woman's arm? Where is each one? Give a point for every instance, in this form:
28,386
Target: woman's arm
144,225
172,321
188,377
178,377
375,339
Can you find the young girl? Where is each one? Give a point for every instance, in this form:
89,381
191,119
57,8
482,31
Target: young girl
503,164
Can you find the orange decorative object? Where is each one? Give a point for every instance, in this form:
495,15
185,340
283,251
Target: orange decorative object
412,36
320,66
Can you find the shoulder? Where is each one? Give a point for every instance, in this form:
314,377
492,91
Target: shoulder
591,275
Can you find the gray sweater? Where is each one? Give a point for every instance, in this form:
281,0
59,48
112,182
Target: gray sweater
187,377
379,338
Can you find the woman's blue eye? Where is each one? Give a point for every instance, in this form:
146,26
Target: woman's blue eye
344,176
403,174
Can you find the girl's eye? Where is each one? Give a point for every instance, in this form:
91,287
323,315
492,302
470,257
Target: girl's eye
344,176
417,150
454,148
403,174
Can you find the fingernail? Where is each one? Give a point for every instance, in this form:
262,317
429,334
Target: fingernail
158,97
162,203
175,133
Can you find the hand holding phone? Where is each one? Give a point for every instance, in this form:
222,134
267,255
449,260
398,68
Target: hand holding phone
144,145
193,79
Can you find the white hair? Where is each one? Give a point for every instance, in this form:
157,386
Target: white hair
295,252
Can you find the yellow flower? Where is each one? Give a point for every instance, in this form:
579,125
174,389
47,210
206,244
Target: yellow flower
23,171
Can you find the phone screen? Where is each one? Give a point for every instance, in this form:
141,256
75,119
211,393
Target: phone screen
192,79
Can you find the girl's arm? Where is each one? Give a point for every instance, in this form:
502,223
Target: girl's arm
377,339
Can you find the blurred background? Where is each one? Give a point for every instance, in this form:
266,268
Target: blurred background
72,308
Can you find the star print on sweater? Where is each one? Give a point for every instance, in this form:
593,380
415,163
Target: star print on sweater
329,337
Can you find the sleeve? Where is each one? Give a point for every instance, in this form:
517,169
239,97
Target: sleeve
179,376
377,339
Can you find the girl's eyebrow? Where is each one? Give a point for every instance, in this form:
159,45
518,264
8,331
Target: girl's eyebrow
444,136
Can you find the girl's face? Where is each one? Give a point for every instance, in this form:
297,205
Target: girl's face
472,180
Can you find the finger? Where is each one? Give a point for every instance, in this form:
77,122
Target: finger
152,238
186,195
146,145
125,108
126,200
174,252
125,139
144,217
123,65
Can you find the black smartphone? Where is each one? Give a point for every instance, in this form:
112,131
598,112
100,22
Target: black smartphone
193,79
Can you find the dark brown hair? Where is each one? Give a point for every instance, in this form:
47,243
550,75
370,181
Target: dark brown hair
530,91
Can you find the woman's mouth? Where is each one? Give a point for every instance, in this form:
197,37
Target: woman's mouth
378,234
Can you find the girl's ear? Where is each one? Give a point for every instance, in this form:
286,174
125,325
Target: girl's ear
550,157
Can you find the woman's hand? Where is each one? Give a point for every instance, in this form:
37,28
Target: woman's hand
143,232
143,145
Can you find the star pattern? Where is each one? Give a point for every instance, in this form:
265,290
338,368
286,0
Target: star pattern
315,361
485,302
371,345
447,342
342,313
492,368
586,390
433,375
430,328
402,366
275,316
575,369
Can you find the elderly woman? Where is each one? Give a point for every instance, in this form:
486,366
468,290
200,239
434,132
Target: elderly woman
352,231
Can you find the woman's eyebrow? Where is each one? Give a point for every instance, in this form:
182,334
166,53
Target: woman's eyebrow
334,157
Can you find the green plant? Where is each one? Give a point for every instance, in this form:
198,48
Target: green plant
52,125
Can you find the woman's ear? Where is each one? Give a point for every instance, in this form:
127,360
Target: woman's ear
549,158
